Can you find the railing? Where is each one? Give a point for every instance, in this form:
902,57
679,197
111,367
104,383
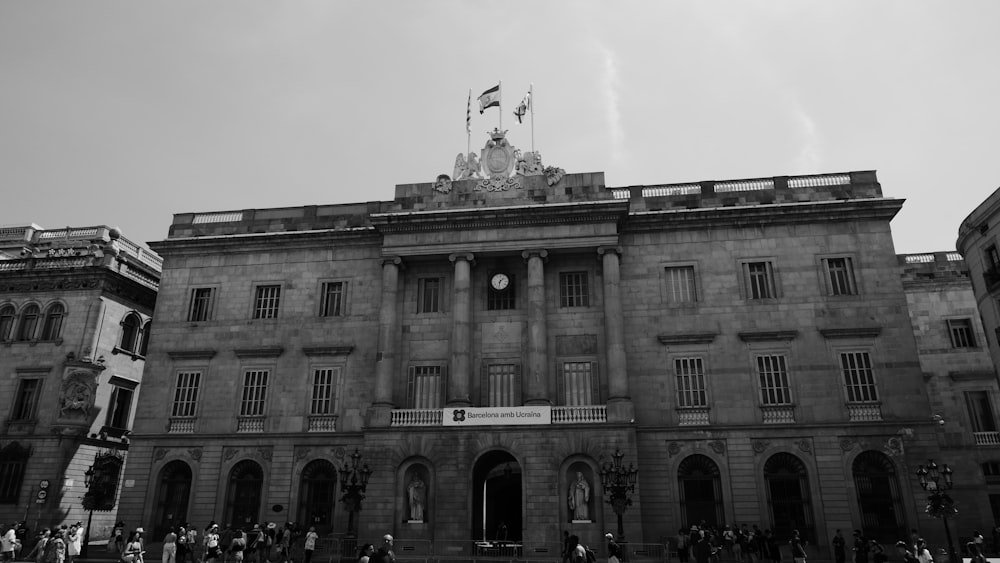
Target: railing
83,233
230,217
322,423
820,181
415,417
991,438
744,186
181,426
250,424
677,189
919,258
778,414
587,414
692,416
864,412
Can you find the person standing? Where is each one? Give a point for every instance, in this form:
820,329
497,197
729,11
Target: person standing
923,554
366,553
133,548
839,554
72,543
238,545
170,547
8,543
385,553
772,551
614,550
212,549
860,548
55,548
255,540
310,545
798,548
38,552
683,545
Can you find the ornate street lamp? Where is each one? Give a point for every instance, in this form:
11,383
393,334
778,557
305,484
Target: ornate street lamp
936,480
618,484
88,481
353,482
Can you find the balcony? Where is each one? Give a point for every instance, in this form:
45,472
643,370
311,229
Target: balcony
322,423
778,414
250,424
864,412
697,416
991,438
585,414
181,426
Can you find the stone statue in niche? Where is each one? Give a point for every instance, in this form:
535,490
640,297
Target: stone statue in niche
579,498
416,492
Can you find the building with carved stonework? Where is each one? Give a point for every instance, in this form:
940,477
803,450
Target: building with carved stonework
75,312
745,344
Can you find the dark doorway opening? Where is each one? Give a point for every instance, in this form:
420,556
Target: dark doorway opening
497,498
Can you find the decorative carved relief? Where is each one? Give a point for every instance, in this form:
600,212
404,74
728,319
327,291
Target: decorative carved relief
759,446
159,453
498,184
195,453
804,445
229,453
265,452
893,447
718,446
302,453
847,444
673,448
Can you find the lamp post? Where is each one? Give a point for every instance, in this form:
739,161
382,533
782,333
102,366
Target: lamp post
618,483
88,480
353,482
936,480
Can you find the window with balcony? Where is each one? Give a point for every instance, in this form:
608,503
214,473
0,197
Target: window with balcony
26,399
690,377
680,284
424,386
52,327
7,315
202,307
429,295
503,385
579,379
961,333
267,298
775,393
254,396
984,425
324,399
574,289
186,394
332,299
840,276
859,382
758,280
120,405
29,323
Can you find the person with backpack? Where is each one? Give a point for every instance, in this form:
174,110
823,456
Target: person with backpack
238,545
254,542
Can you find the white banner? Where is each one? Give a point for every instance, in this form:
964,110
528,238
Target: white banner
496,416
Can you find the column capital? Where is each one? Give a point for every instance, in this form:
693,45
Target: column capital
539,252
467,256
602,250
394,260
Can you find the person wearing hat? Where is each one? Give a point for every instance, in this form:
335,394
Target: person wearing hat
614,550
385,553
212,549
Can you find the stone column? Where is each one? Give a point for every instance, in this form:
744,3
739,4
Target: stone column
459,380
620,408
536,380
388,335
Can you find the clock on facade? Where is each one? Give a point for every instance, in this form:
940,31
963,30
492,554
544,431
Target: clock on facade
499,282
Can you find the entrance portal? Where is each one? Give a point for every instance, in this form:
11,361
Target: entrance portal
497,498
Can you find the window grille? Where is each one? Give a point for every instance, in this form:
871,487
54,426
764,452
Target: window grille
186,394
859,377
429,298
254,393
773,376
574,290
332,302
680,284
690,374
324,388
202,304
266,302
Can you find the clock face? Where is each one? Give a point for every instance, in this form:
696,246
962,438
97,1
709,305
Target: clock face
499,282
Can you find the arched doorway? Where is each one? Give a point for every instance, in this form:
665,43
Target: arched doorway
700,488
787,482
172,494
496,487
878,496
317,495
243,496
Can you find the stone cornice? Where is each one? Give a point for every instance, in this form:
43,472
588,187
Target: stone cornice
768,335
764,214
260,352
687,338
979,375
257,242
852,332
92,278
327,350
602,211
191,354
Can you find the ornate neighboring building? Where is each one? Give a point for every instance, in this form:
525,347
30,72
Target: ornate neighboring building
75,311
497,338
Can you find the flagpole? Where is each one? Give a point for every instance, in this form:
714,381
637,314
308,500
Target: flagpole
500,101
531,107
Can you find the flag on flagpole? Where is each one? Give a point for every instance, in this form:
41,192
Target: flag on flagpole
489,98
522,108
468,115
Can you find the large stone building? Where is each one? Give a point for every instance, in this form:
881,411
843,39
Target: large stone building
75,310
745,344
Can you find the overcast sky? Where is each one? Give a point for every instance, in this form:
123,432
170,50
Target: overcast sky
124,113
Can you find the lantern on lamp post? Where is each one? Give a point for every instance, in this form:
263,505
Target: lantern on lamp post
618,483
936,480
353,482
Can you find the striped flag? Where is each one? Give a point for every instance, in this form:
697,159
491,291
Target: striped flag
522,108
468,115
489,98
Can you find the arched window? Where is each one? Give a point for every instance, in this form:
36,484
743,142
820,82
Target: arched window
53,322
700,488
243,497
172,496
877,488
144,341
29,323
6,322
318,494
130,332
788,496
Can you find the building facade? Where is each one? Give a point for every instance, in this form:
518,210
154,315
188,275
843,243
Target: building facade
75,312
488,345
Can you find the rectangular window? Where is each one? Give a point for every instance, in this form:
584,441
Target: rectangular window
759,280
992,257
324,391
120,408
840,276
980,411
254,392
961,333
501,300
690,374
424,387
574,290
202,304
11,477
332,300
502,385
265,305
858,377
578,383
186,394
680,284
429,295
26,399
773,377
